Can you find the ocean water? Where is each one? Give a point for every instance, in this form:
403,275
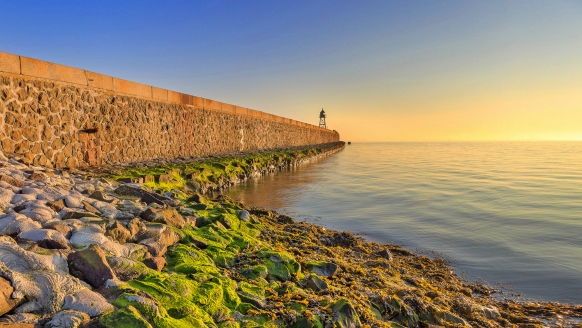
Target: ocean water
504,212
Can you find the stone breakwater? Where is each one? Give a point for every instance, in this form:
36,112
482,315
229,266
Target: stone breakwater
57,116
77,251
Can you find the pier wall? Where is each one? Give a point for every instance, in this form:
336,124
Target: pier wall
59,116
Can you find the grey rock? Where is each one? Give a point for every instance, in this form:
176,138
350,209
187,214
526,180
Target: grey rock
67,319
244,215
88,302
315,283
260,303
46,238
385,253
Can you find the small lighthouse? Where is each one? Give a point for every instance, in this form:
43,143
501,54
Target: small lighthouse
322,119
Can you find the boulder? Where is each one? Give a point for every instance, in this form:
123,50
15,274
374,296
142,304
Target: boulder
67,319
159,237
46,238
73,201
57,205
15,224
61,227
118,232
7,303
37,176
166,215
72,214
136,227
126,269
244,215
326,269
11,181
88,302
91,266
156,263
315,283
90,208
385,253
101,196
344,315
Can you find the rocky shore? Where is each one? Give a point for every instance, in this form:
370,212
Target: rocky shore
143,247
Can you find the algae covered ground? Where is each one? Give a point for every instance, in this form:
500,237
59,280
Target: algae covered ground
246,267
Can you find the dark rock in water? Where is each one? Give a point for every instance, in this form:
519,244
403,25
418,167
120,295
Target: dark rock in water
167,216
101,196
252,299
90,208
385,253
7,303
118,232
315,283
91,266
156,263
344,315
285,219
343,239
326,269
57,205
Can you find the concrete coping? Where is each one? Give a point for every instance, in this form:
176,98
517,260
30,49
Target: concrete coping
20,65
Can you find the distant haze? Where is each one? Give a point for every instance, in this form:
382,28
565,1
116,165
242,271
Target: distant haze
382,70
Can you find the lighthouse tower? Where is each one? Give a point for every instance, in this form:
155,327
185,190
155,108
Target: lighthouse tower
322,119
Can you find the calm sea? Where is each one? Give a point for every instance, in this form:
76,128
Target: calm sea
507,212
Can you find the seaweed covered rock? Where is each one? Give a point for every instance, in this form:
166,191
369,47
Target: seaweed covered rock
344,315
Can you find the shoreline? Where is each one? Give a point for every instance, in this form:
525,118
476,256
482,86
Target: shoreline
129,253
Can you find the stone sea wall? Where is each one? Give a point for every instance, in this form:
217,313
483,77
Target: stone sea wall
59,116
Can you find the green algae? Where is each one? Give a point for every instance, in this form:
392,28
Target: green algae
214,170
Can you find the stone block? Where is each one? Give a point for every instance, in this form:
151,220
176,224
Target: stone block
241,110
211,104
132,88
99,80
198,102
174,96
158,93
9,63
46,70
185,99
228,108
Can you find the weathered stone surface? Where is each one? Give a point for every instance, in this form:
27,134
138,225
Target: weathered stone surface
7,303
37,176
90,265
64,229
118,232
71,214
90,208
157,239
46,238
157,263
67,319
167,216
260,303
88,302
11,181
57,205
101,196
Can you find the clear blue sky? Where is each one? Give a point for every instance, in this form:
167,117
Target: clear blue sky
383,70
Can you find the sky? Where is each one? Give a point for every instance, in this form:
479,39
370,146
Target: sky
382,70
